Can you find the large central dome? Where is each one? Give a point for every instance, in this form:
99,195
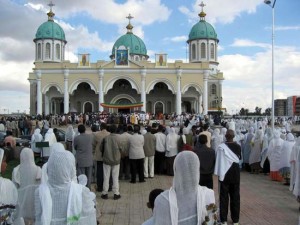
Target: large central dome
136,46
134,43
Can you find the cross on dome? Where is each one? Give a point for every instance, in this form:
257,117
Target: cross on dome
50,13
129,17
129,26
202,14
202,5
51,4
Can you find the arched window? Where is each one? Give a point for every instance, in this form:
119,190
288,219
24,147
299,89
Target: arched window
137,58
48,51
39,51
213,89
203,51
212,51
193,51
57,51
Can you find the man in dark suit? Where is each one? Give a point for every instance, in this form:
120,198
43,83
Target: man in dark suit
84,153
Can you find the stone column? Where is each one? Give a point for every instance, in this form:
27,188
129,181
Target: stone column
205,79
100,97
38,75
143,89
47,107
200,104
178,94
66,91
220,92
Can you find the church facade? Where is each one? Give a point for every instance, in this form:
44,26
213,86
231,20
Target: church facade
129,81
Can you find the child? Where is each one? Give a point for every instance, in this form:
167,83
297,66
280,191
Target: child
152,196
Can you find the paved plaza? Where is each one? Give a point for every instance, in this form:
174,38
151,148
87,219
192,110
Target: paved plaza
263,202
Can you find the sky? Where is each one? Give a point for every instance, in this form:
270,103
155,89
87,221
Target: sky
244,30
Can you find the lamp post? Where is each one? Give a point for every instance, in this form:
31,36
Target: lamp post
272,5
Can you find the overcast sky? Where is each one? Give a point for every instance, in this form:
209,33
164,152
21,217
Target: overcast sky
244,29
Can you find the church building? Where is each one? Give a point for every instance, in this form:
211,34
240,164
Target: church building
129,81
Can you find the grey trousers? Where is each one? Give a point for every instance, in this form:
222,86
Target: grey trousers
88,172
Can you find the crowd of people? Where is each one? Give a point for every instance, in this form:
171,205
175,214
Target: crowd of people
189,147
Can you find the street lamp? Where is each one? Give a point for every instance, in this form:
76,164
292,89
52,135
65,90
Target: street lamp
272,5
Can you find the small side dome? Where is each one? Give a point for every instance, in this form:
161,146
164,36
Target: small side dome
202,29
50,29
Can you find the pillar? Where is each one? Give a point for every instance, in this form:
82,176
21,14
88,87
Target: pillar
66,91
220,93
205,79
38,75
200,104
178,94
100,97
143,89
47,106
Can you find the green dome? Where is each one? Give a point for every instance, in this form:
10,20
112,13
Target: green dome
50,30
135,44
202,30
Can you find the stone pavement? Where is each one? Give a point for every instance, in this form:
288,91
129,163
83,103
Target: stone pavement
263,202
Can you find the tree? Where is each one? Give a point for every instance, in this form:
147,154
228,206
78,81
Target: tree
242,112
268,111
257,110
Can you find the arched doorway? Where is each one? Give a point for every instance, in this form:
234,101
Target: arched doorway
158,109
186,107
88,107
123,101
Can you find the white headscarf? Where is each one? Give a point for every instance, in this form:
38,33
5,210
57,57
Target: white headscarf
50,137
70,133
27,176
61,170
186,200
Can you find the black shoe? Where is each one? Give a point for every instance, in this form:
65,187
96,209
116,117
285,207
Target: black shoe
142,181
116,197
104,196
151,177
133,182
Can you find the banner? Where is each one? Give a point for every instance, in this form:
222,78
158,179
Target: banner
161,59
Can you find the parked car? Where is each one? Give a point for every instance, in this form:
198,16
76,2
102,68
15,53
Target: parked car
19,141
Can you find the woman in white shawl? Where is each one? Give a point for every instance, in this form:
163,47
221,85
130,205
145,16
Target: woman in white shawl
264,163
186,201
171,150
294,164
274,153
255,154
284,165
296,190
49,137
36,137
69,137
61,201
8,194
216,139
247,148
26,177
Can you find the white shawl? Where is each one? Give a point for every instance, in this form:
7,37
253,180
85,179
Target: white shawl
225,158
